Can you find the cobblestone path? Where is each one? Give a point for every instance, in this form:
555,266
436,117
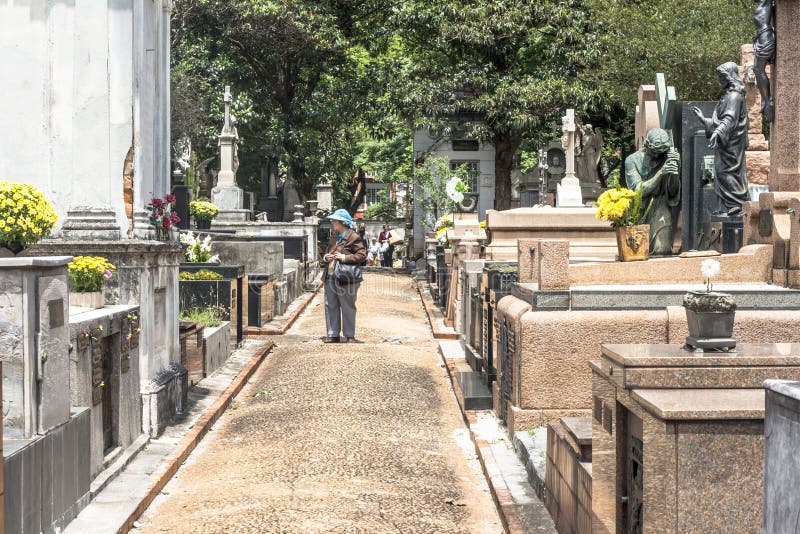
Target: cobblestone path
338,438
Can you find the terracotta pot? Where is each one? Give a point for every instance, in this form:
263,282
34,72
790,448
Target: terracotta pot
89,299
633,242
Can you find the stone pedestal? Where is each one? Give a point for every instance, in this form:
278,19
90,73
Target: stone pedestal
678,436
89,223
569,193
589,238
34,343
230,200
325,196
781,461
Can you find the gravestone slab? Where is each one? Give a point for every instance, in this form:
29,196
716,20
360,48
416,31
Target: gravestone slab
698,198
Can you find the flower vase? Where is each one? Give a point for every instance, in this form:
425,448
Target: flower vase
633,242
87,299
203,224
710,317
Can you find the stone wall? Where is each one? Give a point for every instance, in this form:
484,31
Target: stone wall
47,478
90,84
216,347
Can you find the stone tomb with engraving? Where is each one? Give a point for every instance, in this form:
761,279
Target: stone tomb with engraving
678,436
45,442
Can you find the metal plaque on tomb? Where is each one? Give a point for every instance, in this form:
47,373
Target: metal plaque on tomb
698,198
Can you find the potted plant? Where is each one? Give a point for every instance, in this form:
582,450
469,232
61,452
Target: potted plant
26,217
197,250
710,314
203,213
87,276
162,215
458,191
622,207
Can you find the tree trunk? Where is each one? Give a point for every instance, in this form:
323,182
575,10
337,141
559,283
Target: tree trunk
505,147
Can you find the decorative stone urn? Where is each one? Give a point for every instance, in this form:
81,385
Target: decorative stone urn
87,299
710,317
469,204
633,242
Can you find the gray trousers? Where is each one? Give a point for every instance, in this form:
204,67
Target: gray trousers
340,308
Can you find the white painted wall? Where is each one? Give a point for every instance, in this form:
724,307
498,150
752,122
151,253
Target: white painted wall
84,79
424,143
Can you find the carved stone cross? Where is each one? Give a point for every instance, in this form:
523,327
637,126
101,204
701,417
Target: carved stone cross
228,99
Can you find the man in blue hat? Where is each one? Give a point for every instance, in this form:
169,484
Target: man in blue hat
347,248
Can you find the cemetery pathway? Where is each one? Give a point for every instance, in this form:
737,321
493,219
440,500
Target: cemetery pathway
338,438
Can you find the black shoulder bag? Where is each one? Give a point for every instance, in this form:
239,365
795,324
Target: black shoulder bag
347,273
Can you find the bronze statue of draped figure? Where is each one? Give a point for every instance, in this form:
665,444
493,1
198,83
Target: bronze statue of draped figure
727,133
764,44
655,168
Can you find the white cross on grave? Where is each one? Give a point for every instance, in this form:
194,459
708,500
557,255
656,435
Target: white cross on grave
568,192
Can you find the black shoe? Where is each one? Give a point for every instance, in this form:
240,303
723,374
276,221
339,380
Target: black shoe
330,340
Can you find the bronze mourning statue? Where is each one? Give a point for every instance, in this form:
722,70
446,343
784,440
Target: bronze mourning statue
656,169
764,48
727,132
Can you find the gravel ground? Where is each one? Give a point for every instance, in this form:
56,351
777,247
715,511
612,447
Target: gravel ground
338,438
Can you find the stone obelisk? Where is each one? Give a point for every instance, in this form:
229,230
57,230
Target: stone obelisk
227,195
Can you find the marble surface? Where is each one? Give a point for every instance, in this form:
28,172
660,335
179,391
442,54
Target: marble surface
663,355
787,388
702,404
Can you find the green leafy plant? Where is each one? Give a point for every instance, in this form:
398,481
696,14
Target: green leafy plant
211,316
202,274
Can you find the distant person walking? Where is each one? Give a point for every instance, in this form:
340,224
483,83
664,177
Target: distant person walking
374,253
342,260
364,233
386,246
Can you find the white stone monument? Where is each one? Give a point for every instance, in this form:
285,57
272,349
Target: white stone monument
227,195
568,193
325,194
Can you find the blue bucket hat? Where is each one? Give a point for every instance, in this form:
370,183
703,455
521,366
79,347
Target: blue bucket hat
343,216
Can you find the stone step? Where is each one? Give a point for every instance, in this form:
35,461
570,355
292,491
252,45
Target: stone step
476,395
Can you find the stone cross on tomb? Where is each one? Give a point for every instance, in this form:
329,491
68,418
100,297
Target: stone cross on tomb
568,192
228,99
665,99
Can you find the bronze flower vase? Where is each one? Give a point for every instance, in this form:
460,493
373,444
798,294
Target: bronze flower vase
633,242
710,317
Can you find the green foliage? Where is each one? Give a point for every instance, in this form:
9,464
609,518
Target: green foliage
383,211
212,316
202,274
496,70
430,180
686,40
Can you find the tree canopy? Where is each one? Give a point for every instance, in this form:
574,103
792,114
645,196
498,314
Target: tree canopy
336,85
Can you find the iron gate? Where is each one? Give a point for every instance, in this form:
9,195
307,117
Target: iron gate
507,348
635,483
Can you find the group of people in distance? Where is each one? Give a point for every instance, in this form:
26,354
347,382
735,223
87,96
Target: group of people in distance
380,251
